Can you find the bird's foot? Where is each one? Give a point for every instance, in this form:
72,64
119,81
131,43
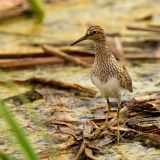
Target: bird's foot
119,136
98,131
106,125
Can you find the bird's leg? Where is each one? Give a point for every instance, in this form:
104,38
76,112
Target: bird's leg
108,110
118,112
105,125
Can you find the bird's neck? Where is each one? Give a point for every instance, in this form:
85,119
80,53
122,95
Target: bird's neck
103,52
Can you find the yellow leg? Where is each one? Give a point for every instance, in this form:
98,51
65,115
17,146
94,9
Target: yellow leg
118,112
108,113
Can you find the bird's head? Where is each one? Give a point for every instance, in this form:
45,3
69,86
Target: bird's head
95,33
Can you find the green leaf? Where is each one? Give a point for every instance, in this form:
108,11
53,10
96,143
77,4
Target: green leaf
3,156
37,8
19,133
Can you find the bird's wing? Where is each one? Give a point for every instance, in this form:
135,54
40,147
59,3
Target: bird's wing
125,80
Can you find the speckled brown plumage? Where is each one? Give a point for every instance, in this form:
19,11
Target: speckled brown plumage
107,74
106,66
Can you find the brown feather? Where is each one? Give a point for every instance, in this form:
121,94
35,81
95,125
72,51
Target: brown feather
125,80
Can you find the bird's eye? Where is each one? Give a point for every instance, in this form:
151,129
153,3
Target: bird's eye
94,32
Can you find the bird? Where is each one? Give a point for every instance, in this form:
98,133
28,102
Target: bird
107,74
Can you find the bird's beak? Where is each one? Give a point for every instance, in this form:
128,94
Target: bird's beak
79,40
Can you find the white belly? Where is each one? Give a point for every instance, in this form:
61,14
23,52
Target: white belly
111,88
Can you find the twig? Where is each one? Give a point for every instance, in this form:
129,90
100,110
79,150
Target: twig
154,25
13,9
26,62
77,50
143,29
142,56
56,52
15,55
119,49
82,148
59,84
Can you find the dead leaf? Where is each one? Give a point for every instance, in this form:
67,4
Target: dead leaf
89,154
68,141
154,137
88,128
147,97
